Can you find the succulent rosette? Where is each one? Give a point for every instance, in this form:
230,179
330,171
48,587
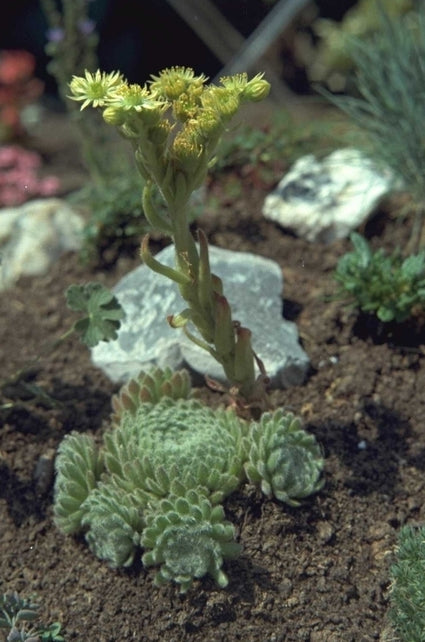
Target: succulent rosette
188,538
283,459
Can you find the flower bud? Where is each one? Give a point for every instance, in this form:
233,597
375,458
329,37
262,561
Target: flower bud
256,89
113,116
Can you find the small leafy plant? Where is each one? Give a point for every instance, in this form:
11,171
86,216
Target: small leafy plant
407,611
174,125
388,286
165,467
19,614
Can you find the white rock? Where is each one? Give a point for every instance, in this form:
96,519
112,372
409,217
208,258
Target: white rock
324,200
34,235
253,286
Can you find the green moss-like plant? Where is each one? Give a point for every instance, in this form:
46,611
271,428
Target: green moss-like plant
162,473
408,585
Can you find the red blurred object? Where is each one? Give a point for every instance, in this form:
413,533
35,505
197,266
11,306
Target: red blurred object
18,88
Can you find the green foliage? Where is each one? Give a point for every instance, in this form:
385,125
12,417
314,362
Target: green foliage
103,312
189,538
388,286
18,615
283,459
408,585
162,473
150,387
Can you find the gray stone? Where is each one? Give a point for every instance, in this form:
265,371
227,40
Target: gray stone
324,200
34,235
253,286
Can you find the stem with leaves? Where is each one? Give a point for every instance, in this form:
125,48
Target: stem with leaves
174,125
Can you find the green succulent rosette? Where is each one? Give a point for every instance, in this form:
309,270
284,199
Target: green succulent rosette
176,441
188,538
283,459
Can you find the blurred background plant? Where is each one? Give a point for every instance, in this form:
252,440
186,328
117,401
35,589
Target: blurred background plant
19,176
268,150
388,105
71,45
112,207
328,57
18,89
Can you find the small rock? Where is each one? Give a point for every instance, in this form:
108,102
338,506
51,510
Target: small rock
253,286
34,235
325,531
44,470
324,200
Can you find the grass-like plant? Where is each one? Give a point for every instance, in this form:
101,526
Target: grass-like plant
165,467
389,105
385,285
407,611
174,125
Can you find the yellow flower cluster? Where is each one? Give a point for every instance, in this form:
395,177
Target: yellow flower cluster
175,119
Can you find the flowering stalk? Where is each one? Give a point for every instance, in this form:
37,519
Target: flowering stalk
174,125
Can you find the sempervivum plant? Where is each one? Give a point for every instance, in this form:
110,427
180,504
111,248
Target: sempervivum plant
163,471
284,460
188,537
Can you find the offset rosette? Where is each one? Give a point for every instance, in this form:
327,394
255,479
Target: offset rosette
189,538
283,459
78,469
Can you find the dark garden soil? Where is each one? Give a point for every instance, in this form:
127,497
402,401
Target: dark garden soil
317,573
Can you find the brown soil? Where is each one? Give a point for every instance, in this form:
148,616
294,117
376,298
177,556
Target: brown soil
318,573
